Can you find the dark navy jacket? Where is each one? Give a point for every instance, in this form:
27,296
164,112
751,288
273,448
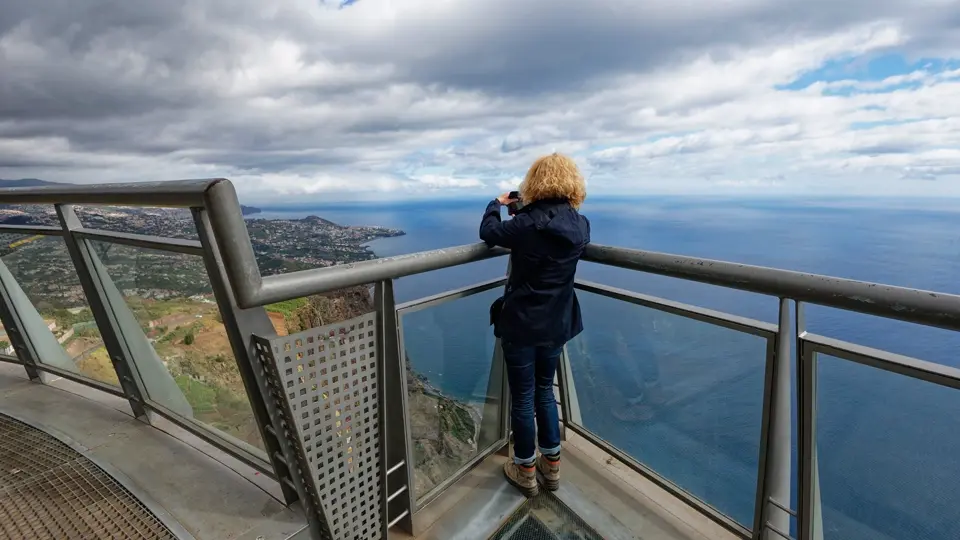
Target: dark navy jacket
546,240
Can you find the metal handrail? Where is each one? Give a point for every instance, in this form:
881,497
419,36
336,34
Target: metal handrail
252,290
176,193
912,305
219,198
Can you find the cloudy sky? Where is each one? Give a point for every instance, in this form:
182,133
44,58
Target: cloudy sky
300,99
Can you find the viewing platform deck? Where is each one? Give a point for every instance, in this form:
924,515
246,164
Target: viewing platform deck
164,387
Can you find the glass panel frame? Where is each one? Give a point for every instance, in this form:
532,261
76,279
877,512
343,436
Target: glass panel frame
810,348
182,317
502,435
766,331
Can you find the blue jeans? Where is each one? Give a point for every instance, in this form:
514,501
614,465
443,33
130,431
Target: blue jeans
530,371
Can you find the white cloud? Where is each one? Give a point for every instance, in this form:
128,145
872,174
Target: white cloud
512,184
295,99
435,181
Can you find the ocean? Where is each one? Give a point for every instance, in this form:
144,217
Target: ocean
887,445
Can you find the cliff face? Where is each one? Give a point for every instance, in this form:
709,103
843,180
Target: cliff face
332,307
444,430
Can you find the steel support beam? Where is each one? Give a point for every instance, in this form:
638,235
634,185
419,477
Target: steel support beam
92,279
568,390
809,515
774,474
241,325
493,426
397,460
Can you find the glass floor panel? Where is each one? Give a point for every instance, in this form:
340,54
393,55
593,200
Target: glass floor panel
544,517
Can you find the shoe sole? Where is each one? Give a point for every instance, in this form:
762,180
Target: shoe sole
549,485
527,491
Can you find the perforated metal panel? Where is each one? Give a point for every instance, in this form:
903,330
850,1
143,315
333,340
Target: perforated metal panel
326,378
50,491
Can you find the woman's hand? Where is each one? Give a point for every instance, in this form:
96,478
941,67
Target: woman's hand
505,199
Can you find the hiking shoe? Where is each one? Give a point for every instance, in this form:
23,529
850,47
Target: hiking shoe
549,472
522,477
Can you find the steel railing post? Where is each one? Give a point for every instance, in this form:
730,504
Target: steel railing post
774,474
809,519
241,325
492,428
397,462
568,390
92,279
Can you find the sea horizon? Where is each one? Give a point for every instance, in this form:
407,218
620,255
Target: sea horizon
916,202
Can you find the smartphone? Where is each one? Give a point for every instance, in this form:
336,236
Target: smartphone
516,205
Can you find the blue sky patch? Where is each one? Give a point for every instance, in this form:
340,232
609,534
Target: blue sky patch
862,126
869,69
339,3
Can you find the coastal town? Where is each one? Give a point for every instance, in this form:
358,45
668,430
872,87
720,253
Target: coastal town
311,242
281,245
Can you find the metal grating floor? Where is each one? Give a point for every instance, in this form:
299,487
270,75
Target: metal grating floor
50,491
544,517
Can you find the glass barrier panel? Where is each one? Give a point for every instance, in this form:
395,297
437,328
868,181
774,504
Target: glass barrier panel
887,454
185,361
681,396
449,353
52,305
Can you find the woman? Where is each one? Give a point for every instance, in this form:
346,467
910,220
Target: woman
540,312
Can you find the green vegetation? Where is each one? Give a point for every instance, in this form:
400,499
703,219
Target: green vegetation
288,307
455,419
220,407
65,319
202,397
276,265
180,333
188,339
146,310
86,330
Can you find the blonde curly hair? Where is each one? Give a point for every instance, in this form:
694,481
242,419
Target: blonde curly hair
554,177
